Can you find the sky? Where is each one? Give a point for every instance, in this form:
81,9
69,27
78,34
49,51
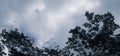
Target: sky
48,21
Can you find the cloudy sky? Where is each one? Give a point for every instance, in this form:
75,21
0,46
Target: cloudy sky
49,21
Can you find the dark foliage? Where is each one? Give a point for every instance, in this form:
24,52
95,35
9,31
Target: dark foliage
17,43
97,38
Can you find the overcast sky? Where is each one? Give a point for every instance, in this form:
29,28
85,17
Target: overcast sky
49,21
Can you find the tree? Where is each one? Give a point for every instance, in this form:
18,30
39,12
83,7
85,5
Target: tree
17,44
98,38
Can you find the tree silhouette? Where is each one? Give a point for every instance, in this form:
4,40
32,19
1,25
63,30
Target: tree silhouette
98,38
18,44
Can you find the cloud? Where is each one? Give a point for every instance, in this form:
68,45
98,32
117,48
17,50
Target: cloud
45,20
63,19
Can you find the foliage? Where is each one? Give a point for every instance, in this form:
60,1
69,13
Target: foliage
97,37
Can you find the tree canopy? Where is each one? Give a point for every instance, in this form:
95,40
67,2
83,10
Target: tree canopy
99,37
